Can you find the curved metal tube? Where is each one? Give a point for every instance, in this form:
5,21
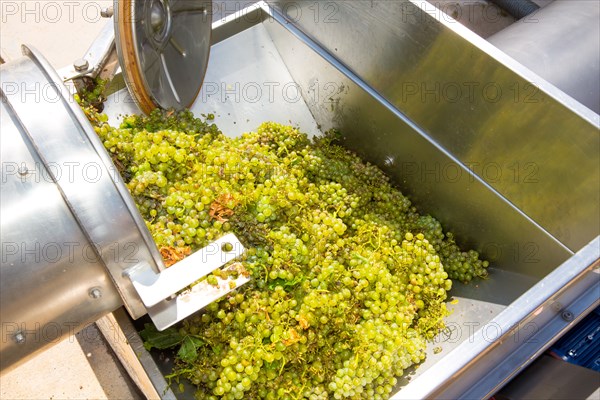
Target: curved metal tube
560,43
517,8
69,226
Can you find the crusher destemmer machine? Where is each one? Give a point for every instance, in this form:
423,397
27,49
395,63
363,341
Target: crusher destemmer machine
513,119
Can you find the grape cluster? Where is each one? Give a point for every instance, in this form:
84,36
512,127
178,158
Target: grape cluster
349,281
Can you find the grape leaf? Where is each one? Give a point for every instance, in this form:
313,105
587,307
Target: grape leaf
287,285
160,340
188,350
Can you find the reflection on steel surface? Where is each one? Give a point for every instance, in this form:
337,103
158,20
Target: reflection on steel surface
476,102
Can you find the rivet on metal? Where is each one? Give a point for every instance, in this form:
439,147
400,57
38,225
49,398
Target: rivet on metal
389,161
19,337
95,293
567,316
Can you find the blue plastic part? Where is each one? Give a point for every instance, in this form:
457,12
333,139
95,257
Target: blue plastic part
581,345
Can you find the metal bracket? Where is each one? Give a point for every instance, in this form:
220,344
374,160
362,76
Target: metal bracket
157,290
99,61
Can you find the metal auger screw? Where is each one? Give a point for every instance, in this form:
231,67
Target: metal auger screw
81,65
19,337
95,293
567,316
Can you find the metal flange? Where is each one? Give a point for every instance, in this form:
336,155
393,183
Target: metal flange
163,48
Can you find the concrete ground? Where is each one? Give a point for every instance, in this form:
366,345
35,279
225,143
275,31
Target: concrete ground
62,30
79,367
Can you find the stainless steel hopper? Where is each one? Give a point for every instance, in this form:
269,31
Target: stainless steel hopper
494,169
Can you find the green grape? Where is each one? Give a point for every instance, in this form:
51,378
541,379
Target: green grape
349,282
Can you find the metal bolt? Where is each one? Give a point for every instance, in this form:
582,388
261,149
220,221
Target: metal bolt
19,337
81,64
389,161
567,316
95,293
107,12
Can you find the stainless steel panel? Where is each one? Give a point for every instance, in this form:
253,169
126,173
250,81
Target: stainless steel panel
436,181
522,135
244,94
